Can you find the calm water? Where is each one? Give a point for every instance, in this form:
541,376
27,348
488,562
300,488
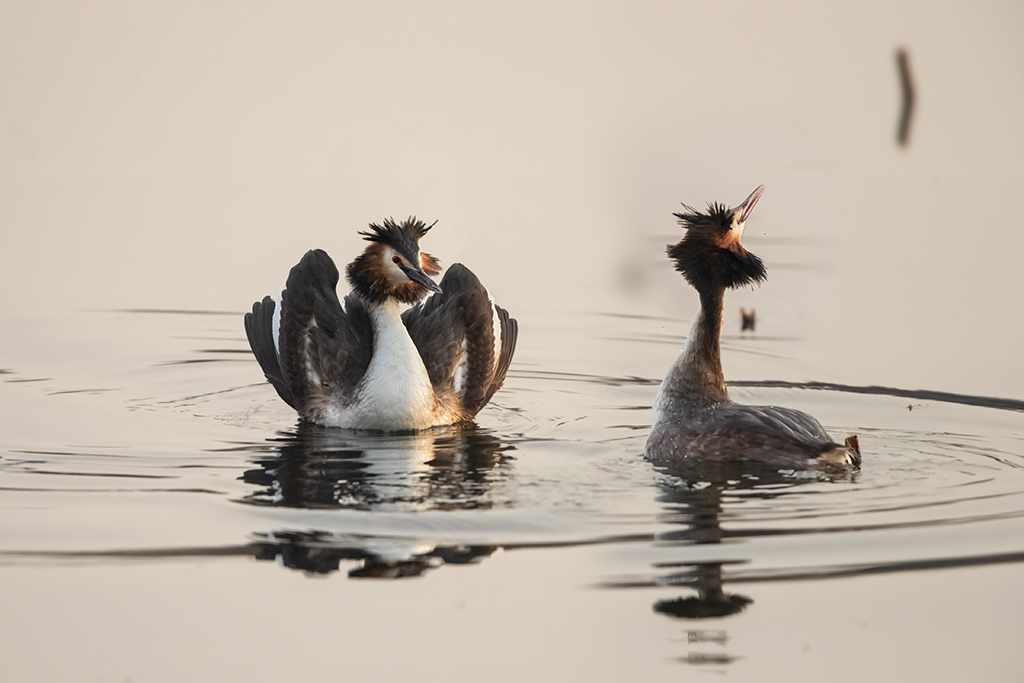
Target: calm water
165,516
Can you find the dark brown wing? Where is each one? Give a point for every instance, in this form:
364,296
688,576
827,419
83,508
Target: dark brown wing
465,352
259,328
322,349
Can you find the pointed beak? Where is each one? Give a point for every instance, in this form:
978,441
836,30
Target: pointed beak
421,278
748,204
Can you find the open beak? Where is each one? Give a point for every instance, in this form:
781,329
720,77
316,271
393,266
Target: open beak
748,204
421,278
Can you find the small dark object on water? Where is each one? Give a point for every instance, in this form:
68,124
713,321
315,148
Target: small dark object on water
907,86
701,607
749,320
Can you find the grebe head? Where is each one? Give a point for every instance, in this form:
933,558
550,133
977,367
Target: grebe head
710,255
392,266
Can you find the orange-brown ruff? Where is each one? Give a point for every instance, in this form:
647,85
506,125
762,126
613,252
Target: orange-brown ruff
365,364
695,421
373,267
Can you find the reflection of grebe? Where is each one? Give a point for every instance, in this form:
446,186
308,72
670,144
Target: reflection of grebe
694,418
317,468
322,553
368,366
451,468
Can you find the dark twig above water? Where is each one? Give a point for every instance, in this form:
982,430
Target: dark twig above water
907,88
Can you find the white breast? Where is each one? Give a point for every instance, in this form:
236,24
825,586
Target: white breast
395,392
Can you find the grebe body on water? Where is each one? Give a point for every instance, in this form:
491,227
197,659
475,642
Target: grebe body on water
694,418
365,364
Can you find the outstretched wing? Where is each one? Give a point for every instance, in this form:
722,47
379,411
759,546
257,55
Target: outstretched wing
313,350
259,328
465,340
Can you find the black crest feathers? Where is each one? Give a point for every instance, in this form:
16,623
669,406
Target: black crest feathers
365,273
403,237
708,257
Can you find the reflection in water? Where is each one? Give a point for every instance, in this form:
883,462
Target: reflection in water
693,499
321,553
454,468
702,507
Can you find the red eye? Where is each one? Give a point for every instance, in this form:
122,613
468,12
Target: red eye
395,259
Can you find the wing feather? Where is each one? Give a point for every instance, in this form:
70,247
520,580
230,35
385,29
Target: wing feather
323,347
456,328
259,328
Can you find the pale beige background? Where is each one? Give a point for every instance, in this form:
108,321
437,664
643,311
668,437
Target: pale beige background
183,155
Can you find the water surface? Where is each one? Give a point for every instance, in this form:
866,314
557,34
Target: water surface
177,503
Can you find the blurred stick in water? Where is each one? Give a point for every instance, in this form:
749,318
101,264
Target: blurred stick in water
907,85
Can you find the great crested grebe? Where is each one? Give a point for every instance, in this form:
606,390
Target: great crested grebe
694,418
367,365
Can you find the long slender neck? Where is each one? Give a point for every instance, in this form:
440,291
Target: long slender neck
696,380
387,321
394,352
